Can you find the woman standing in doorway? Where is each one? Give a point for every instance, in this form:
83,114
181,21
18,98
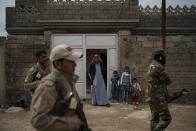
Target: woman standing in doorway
96,74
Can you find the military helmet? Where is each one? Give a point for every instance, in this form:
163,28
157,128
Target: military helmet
160,56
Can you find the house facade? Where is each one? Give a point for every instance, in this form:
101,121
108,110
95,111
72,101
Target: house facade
121,31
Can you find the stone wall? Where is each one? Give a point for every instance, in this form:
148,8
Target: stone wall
34,17
31,23
136,52
20,56
27,14
2,71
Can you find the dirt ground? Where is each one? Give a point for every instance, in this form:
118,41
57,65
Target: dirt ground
118,117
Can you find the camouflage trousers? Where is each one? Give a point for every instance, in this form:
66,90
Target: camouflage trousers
160,120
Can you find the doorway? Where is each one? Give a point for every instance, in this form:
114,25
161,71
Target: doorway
105,45
89,56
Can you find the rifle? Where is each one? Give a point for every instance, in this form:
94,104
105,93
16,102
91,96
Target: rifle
177,95
68,102
79,111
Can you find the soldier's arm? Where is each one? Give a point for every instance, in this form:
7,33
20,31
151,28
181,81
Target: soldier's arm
43,102
29,83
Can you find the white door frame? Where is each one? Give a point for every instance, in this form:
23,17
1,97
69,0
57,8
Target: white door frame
84,47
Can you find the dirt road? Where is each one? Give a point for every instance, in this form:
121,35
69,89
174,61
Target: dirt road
116,118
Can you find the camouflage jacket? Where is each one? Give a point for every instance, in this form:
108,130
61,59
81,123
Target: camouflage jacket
34,75
45,99
157,82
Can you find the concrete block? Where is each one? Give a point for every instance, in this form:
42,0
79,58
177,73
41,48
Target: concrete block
124,32
170,44
176,38
171,50
180,44
193,50
142,38
153,38
182,50
157,44
138,44
147,44
187,38
11,46
193,68
171,62
186,68
187,56
194,38
191,44
187,74
194,56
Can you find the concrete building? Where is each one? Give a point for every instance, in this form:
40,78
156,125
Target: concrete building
121,31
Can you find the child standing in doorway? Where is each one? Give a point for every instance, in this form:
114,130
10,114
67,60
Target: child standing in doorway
114,85
126,84
136,91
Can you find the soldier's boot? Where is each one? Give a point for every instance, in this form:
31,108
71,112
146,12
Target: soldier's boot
165,120
161,125
133,103
137,103
154,121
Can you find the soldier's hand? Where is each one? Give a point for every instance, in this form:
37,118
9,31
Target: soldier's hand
77,123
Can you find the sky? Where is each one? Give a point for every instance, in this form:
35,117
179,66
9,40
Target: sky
11,3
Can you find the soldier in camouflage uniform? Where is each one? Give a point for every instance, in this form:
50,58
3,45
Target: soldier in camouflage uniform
157,82
37,72
49,113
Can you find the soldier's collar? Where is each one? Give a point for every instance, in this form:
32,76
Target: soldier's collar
40,65
67,75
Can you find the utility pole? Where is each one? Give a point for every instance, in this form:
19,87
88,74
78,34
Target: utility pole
163,30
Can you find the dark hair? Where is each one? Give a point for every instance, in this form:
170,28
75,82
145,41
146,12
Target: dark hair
160,58
127,67
134,79
40,52
115,72
59,60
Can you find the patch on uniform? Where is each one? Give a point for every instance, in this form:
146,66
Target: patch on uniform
38,75
73,104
